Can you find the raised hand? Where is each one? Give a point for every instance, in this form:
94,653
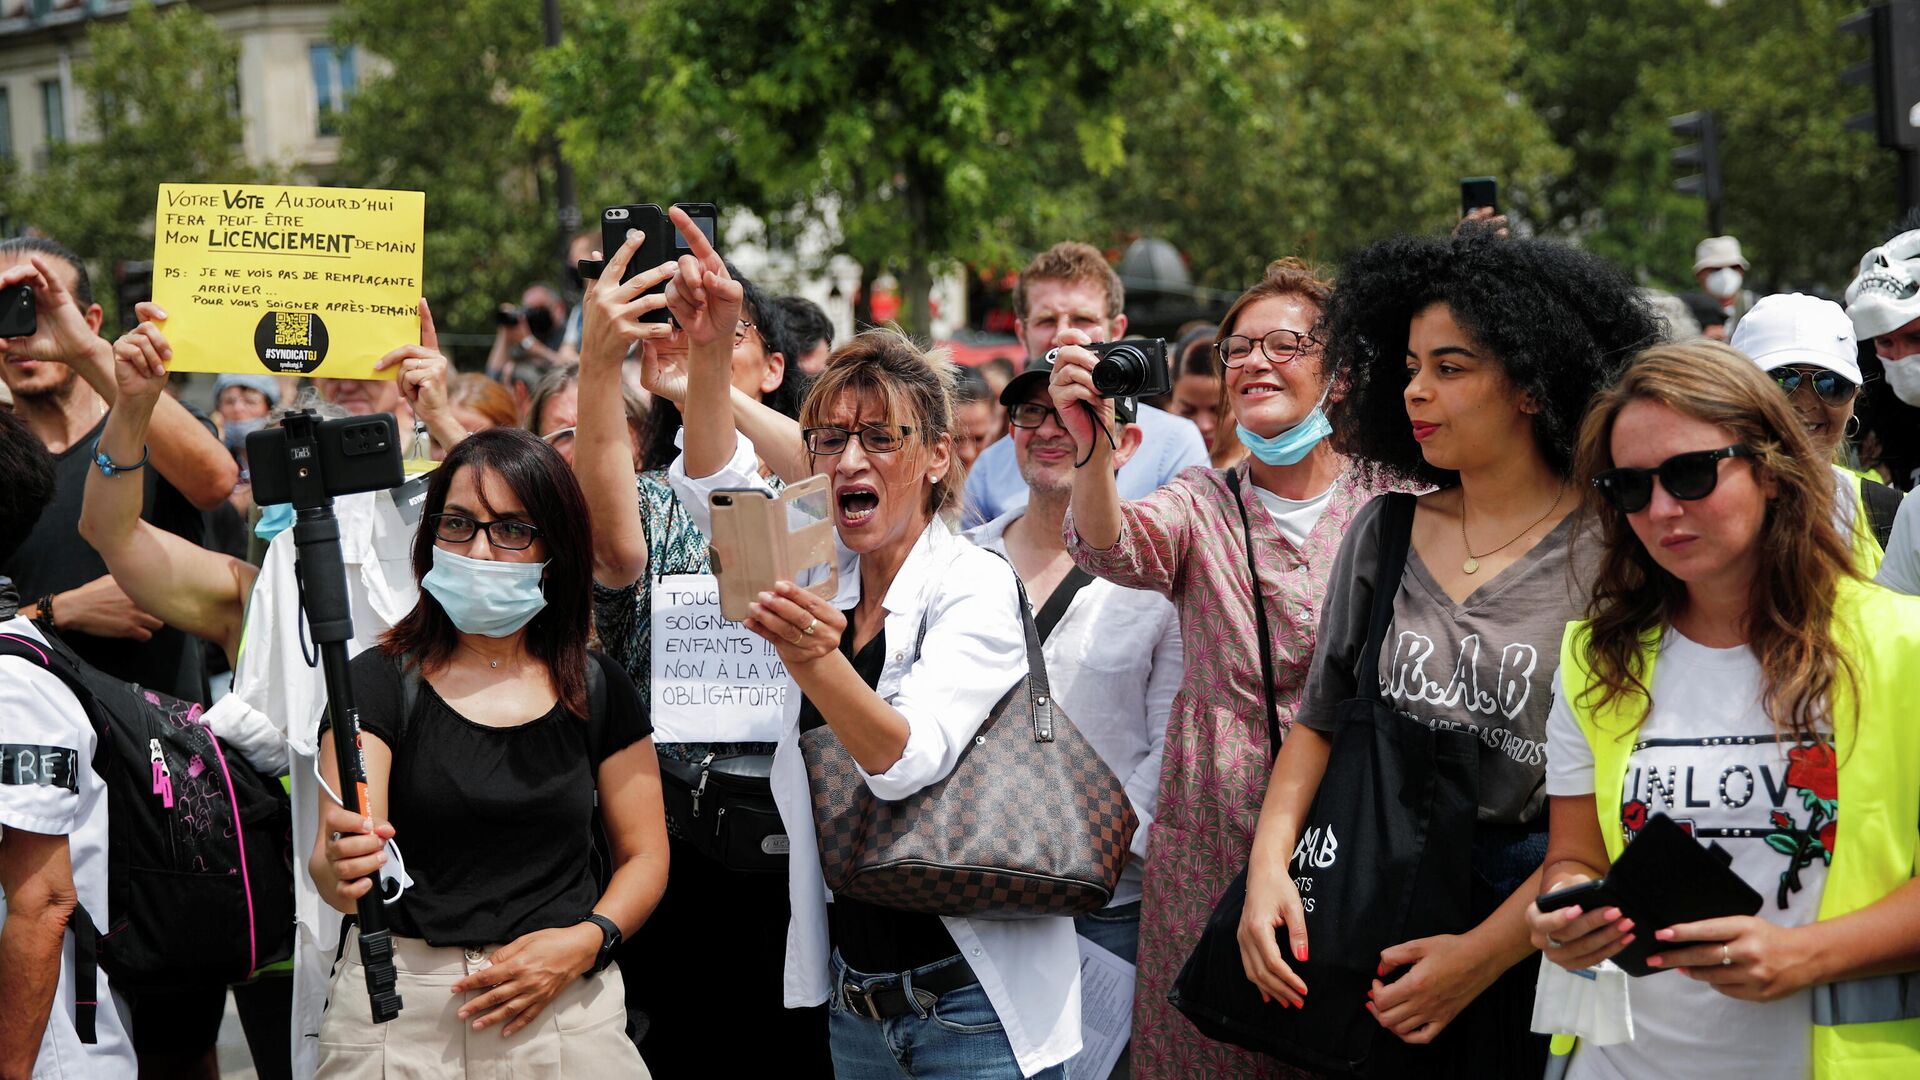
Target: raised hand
704,298
1072,386
140,359
613,308
422,381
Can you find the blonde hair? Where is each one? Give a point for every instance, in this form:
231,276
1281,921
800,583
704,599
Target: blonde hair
1802,556
914,388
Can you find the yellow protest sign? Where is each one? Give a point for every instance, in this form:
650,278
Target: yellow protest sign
287,280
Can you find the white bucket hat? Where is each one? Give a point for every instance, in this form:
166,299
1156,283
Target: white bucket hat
1886,294
1717,251
1794,328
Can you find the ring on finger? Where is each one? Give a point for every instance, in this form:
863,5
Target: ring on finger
808,629
1555,943
1726,955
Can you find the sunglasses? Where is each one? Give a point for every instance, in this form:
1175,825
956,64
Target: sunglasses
1830,386
1685,476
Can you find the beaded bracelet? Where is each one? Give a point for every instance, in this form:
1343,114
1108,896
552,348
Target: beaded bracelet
109,470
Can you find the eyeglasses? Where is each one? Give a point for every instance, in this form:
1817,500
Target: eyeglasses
559,435
1031,414
1280,346
505,535
874,439
1831,387
1685,476
740,332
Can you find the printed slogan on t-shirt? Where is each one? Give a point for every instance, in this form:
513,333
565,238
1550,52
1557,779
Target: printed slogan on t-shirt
287,280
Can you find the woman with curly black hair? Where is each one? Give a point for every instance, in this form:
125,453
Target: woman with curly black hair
1468,364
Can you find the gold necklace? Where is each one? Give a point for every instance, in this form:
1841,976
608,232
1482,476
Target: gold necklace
1472,565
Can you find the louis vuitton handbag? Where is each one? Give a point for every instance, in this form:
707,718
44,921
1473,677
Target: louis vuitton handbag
1030,821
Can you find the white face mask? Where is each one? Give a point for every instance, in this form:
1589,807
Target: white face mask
1725,282
1903,378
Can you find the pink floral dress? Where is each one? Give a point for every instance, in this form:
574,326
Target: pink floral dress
1185,542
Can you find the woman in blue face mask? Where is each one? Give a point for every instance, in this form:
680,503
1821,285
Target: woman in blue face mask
1295,496
1467,364
490,733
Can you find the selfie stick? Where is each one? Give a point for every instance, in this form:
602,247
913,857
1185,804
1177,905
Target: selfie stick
322,579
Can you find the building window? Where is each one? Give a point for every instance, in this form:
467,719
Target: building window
6,125
53,109
333,83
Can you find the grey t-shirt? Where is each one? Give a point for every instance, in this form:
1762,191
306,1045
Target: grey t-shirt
1485,666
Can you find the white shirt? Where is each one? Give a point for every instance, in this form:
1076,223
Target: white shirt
1114,661
1295,518
1682,1027
40,716
1169,446
273,714
974,652
1900,569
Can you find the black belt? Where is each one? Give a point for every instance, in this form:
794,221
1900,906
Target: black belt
889,999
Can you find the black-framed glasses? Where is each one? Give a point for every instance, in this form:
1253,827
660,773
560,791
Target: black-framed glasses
506,535
1031,414
1687,476
1830,387
1280,346
874,439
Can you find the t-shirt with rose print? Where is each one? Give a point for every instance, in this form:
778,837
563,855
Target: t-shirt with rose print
1708,757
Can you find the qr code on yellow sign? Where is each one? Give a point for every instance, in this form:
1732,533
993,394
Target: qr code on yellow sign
292,328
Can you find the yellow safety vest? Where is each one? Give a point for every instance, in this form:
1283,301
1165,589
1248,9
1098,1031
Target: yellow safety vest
1864,1029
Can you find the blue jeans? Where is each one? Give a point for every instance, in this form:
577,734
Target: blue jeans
959,1037
1117,930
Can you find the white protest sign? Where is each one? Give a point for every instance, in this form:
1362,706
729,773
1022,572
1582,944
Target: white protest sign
713,680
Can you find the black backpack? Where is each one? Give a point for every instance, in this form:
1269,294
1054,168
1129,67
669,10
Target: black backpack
1883,505
199,843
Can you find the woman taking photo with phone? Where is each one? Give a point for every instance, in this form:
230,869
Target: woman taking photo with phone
490,736
1187,541
720,928
903,664
1469,362
1736,674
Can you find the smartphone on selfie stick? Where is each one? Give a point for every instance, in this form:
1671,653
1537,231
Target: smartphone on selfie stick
307,461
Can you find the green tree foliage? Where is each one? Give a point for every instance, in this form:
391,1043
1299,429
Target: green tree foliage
160,103
1804,195
442,122
923,132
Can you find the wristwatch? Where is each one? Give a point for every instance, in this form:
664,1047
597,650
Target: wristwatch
611,941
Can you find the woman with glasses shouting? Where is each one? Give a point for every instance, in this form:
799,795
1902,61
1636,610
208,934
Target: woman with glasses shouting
1467,364
493,741
1806,345
1295,497
903,664
1736,674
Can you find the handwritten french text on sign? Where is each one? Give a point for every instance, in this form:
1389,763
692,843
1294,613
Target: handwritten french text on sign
713,680
287,280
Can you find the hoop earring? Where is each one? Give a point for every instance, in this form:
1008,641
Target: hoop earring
1852,427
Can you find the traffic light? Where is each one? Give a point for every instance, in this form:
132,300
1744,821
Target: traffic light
1698,162
1892,68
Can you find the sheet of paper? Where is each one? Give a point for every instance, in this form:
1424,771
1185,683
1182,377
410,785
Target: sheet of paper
287,280
713,680
1106,1011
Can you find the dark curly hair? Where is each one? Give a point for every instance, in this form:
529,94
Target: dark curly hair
1561,321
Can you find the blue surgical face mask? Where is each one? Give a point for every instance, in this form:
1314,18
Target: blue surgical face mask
234,433
485,597
1288,447
275,518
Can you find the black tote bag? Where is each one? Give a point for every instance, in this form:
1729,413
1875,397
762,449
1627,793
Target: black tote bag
1384,857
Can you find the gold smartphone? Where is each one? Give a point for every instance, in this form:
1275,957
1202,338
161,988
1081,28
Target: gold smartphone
760,538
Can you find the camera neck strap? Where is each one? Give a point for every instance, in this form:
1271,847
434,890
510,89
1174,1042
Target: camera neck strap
1232,477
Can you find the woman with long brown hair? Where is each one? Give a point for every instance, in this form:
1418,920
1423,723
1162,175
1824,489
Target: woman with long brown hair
1736,674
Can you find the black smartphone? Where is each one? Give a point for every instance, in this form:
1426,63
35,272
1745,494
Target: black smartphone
706,218
17,318
1479,191
1583,893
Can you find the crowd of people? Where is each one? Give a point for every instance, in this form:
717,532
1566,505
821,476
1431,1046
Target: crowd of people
1484,486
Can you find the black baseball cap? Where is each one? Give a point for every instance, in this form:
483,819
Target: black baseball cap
1040,371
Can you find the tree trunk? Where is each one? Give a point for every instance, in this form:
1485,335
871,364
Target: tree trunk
863,297
916,278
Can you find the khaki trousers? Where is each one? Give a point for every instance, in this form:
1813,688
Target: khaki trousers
582,1032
